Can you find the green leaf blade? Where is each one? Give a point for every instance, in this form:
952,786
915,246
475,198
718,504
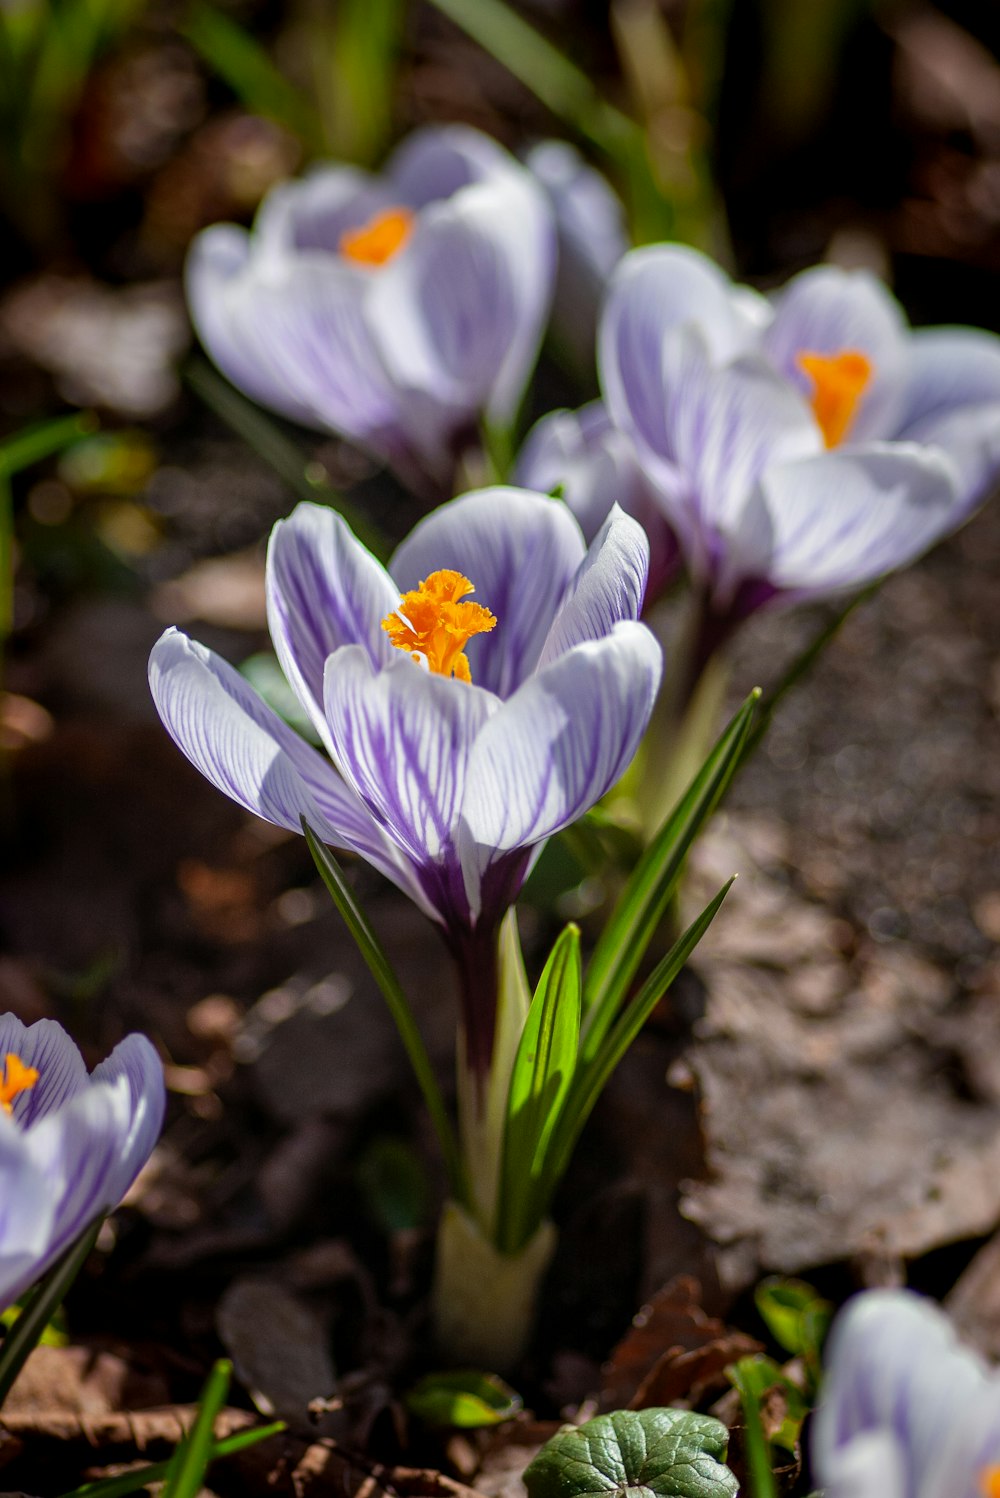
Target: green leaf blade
646,897
540,1081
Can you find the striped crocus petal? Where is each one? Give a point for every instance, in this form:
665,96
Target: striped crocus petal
609,586
460,314
654,291
553,749
949,369
521,551
402,739
970,436
73,1153
845,518
896,1374
830,311
252,756
324,590
439,160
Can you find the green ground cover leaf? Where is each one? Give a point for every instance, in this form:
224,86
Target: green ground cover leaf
635,1454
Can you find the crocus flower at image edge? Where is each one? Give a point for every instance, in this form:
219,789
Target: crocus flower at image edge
395,310
460,734
905,1410
71,1144
797,446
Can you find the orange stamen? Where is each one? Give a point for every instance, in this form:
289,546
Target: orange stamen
839,382
989,1482
435,627
377,241
17,1078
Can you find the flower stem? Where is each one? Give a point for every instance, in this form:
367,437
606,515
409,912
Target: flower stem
484,1300
24,1335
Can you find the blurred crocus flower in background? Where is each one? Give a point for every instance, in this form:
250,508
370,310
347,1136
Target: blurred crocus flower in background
906,1412
475,698
590,221
71,1144
397,310
798,447
591,463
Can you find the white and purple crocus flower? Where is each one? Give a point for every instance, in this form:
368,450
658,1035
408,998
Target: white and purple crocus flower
906,1412
459,734
396,310
795,447
71,1144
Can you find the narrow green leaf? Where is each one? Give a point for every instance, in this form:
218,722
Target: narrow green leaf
131,1482
758,1451
646,897
540,1080
466,1399
593,1073
42,440
24,1335
382,971
669,1453
543,68
357,81
192,1456
271,444
240,60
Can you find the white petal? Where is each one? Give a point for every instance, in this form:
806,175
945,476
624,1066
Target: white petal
850,516
559,743
608,588
44,1045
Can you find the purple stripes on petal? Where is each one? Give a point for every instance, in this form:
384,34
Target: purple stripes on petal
135,1065
850,516
324,590
558,744
521,551
402,738
26,1216
61,1069
608,588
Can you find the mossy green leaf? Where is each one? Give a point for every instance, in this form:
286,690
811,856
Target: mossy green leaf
657,1453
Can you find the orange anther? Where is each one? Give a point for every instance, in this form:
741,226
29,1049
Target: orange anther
839,382
377,241
17,1078
989,1482
434,626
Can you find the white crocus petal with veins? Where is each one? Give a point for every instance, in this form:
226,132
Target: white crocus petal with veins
559,743
402,737
608,588
252,756
26,1213
850,516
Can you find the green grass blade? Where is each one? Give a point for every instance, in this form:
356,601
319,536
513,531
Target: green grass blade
367,44
758,1452
593,1074
382,971
541,67
24,1335
242,63
187,1465
131,1482
279,453
539,1082
646,896
42,440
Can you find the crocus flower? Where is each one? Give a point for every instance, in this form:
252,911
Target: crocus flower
586,458
906,1412
590,222
71,1144
798,447
395,310
462,733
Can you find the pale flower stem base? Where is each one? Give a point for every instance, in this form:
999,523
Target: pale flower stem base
484,1300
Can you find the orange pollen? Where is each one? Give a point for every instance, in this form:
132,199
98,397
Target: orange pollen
377,241
17,1078
839,382
989,1482
434,626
